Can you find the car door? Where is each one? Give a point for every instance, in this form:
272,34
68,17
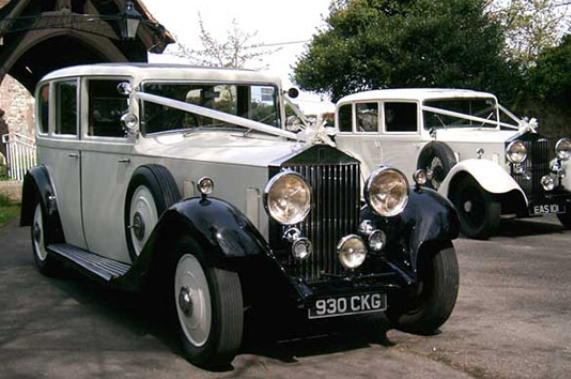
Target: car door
61,155
400,137
105,167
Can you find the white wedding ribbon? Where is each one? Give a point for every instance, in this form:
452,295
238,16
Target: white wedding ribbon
217,115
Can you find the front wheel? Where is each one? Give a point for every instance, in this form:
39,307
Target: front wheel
430,305
208,308
478,211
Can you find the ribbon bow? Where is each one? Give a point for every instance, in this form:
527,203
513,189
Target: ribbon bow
525,125
317,134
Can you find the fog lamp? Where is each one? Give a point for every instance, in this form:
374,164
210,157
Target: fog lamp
302,248
377,240
352,251
548,182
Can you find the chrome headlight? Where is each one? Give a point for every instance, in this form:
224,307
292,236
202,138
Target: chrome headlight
516,152
386,191
563,149
287,198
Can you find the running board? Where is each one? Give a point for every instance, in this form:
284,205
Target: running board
103,268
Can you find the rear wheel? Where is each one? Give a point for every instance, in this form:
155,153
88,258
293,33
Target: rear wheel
479,212
437,159
45,263
208,308
425,310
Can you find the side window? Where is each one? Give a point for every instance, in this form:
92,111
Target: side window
43,108
66,108
106,106
346,118
401,117
367,117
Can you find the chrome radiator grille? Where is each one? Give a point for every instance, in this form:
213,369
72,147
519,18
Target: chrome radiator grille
536,164
334,214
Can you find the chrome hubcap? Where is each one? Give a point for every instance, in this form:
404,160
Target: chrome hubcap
37,233
468,207
143,217
138,226
435,170
185,301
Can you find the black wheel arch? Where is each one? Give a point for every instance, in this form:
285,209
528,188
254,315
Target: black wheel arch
225,236
37,187
428,218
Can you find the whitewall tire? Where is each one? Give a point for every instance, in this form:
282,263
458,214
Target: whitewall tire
208,307
45,263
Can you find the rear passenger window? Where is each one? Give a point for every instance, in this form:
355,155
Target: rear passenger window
346,118
44,108
401,117
66,109
106,106
367,117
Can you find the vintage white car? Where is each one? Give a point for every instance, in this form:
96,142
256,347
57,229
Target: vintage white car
183,180
471,149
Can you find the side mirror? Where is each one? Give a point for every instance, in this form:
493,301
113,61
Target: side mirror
130,123
124,88
293,93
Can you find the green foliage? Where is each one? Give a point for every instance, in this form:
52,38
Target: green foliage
3,172
371,44
548,92
550,79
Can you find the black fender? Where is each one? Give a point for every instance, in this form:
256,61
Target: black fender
225,236
38,187
428,217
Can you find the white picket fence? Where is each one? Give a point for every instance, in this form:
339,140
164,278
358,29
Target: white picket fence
20,154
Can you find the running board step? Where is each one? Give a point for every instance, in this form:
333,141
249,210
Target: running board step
104,268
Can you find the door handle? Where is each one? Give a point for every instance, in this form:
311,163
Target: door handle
126,160
73,155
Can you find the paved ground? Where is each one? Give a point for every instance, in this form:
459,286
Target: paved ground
512,320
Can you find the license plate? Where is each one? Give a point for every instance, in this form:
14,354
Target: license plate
547,209
348,305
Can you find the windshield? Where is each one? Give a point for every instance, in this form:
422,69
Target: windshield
483,109
254,102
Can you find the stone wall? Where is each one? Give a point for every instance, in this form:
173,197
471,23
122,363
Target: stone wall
18,106
16,110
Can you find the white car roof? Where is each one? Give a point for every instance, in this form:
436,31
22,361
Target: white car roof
146,71
419,94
